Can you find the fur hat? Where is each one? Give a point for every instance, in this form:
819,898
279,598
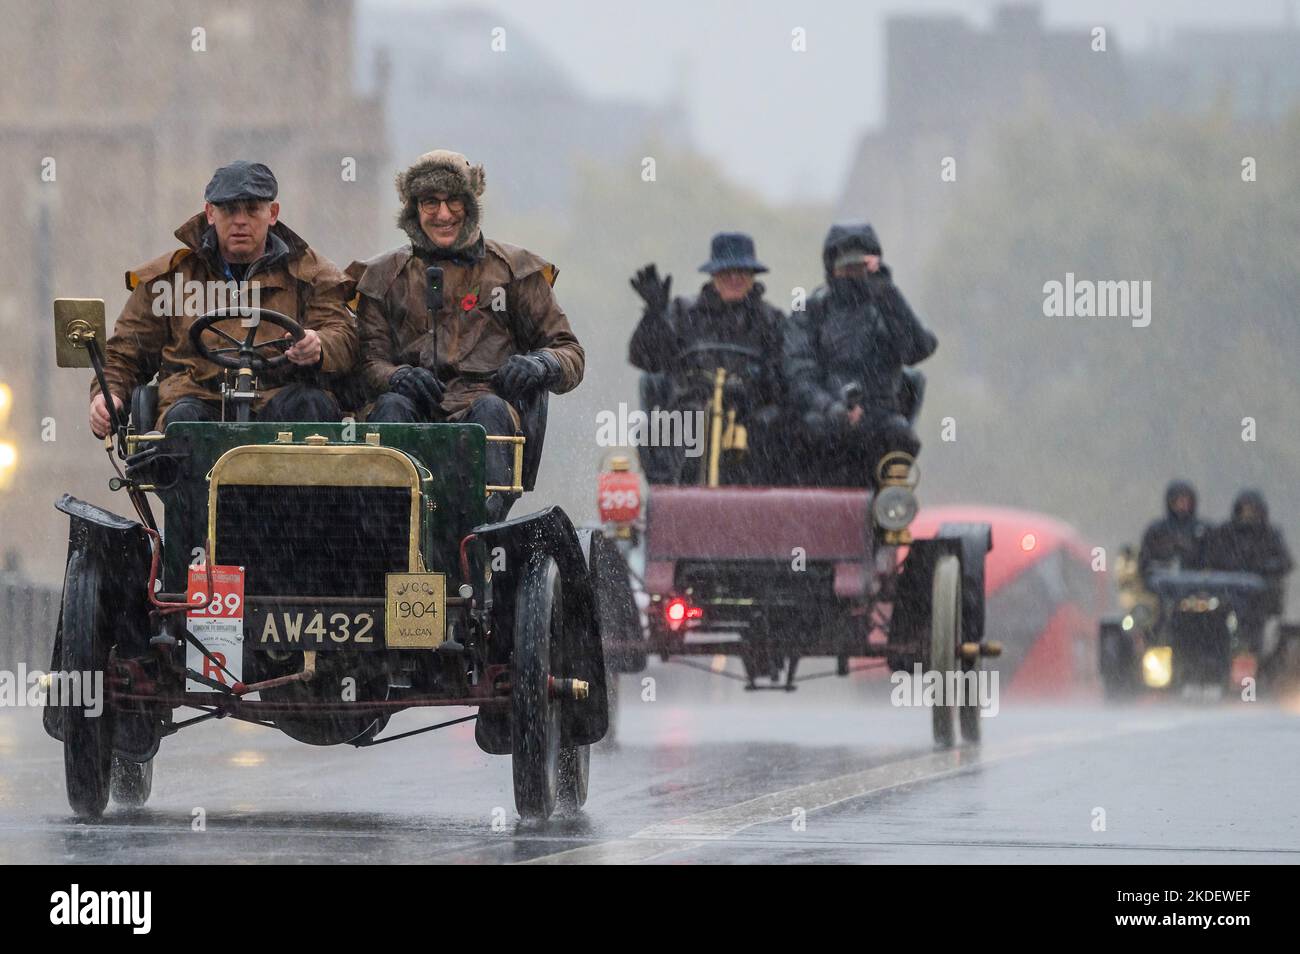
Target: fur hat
441,171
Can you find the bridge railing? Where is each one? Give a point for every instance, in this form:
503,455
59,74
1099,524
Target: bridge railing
29,613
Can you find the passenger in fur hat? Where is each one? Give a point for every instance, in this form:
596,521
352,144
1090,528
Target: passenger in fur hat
480,345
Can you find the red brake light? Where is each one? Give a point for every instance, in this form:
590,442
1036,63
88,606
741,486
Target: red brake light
675,611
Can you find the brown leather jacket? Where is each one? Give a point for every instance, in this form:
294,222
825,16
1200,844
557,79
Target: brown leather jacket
472,339
292,279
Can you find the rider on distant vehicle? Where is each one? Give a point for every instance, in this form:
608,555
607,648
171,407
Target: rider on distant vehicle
1177,540
845,358
727,325
1248,543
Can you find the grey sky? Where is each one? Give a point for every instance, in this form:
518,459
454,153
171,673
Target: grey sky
785,123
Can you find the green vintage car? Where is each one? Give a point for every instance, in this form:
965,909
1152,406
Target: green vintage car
318,578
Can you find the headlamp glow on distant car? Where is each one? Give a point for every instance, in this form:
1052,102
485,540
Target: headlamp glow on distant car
1139,617
894,508
1158,666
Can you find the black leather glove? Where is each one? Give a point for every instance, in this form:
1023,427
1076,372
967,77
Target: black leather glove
653,292
880,284
420,385
522,374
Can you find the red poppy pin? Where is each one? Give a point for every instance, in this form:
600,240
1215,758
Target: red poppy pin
469,302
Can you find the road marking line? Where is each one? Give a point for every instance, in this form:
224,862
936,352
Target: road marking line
720,824
725,822
628,851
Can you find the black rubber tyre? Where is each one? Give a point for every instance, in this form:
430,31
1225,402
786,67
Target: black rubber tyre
535,716
575,773
610,741
131,782
968,713
1116,664
87,738
945,631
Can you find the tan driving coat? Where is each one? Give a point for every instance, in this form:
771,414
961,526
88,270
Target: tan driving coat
498,306
291,279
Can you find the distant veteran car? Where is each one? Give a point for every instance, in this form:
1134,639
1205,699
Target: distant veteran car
318,578
776,575
1202,632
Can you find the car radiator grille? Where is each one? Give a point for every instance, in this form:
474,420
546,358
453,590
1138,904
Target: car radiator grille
313,541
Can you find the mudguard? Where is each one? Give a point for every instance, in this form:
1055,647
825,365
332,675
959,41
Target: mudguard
548,531
617,616
976,541
121,548
969,542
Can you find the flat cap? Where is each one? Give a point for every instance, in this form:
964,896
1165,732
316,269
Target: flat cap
241,180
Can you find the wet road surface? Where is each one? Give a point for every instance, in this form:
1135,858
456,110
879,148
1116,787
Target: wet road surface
707,773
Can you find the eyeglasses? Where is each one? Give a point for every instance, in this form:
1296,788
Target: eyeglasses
431,204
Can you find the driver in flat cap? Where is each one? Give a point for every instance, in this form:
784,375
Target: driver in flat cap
236,252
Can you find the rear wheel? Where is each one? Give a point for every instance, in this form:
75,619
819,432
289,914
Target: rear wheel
968,713
131,782
610,741
535,715
87,730
1115,663
575,771
945,627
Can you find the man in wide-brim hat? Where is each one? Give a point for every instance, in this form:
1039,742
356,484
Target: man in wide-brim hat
727,324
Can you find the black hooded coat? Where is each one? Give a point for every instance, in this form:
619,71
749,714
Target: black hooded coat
1250,546
856,335
854,332
1175,539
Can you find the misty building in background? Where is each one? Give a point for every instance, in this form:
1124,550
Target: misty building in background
951,86
513,109
1254,74
112,119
